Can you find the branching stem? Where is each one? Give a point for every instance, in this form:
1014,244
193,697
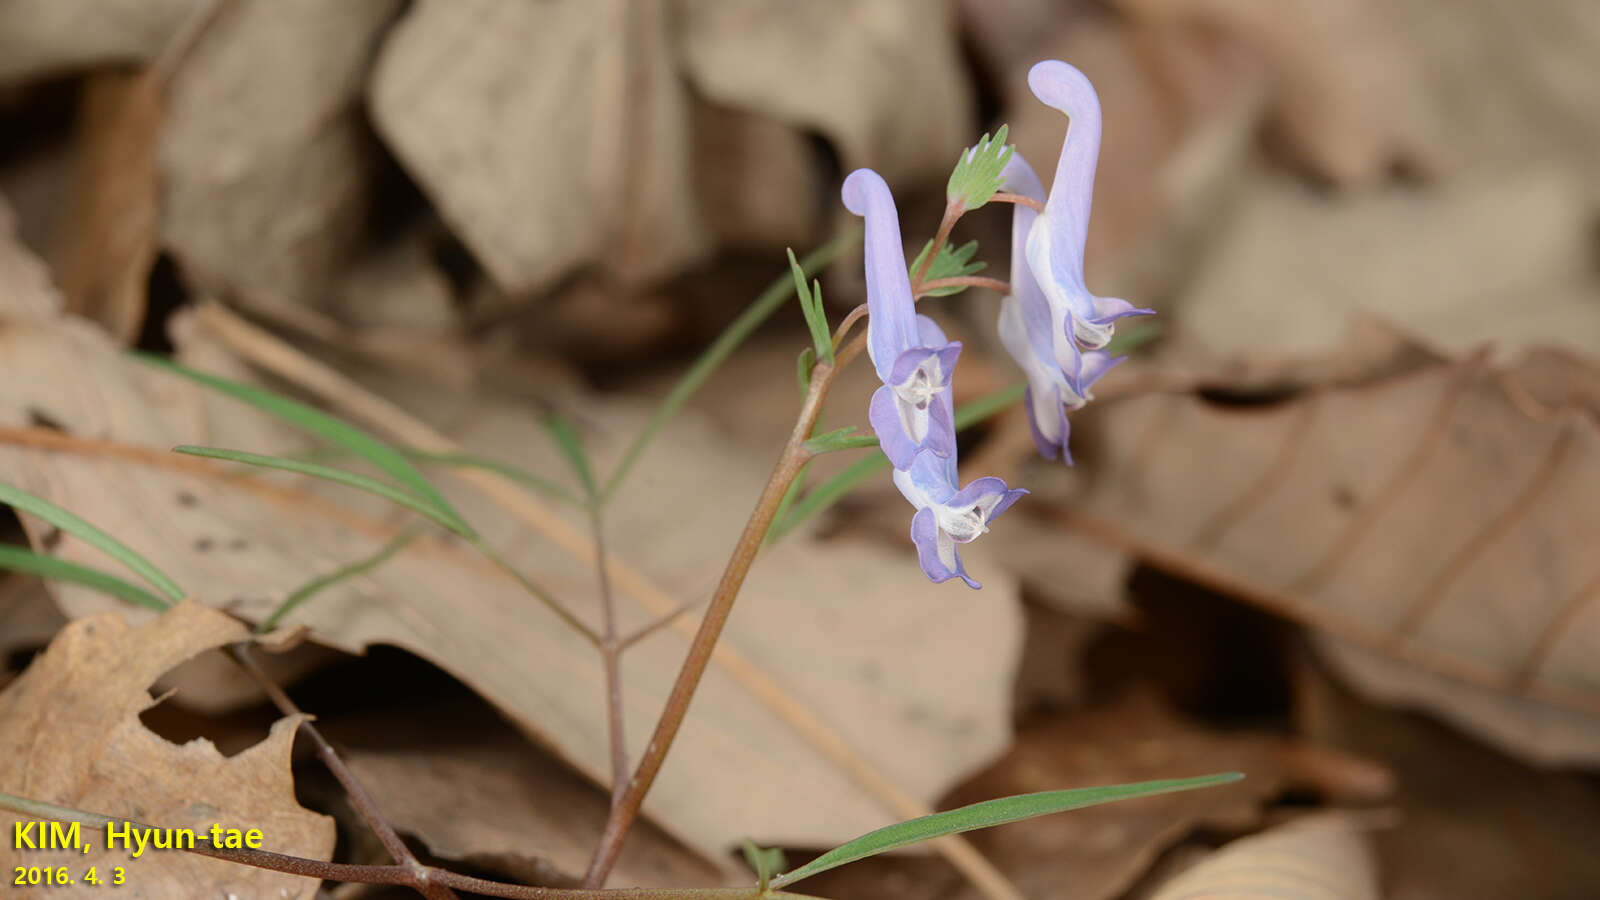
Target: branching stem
790,462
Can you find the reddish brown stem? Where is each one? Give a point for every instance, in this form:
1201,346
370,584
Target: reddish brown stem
993,284
611,658
362,801
790,461
1020,200
952,212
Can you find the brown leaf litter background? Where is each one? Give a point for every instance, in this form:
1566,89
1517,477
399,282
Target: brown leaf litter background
1336,528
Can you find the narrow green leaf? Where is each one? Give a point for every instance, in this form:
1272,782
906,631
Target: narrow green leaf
473,461
383,489
840,439
333,430
766,862
316,585
570,444
977,175
77,527
811,306
21,559
990,813
713,356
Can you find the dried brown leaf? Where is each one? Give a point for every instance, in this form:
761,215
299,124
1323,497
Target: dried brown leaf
1506,257
883,81
1341,78
40,38
549,135
1433,516
849,634
26,291
1323,856
266,160
104,259
70,735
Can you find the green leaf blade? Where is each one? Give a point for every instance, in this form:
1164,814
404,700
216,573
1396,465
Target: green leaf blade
989,813
356,480
83,530
567,440
331,429
20,559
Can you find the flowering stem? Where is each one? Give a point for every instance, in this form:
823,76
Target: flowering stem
993,284
1019,199
790,462
952,212
427,880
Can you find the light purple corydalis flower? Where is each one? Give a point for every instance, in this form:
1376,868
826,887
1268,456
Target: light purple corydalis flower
947,516
913,358
1055,241
1059,373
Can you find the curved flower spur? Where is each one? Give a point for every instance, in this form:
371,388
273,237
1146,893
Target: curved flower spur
913,413
1055,242
913,358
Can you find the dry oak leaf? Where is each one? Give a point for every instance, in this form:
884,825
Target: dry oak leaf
548,135
70,735
1442,517
851,634
882,80
267,163
1324,855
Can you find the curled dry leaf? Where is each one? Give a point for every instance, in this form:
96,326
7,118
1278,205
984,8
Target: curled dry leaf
849,635
70,735
265,157
40,38
883,81
1322,856
1440,516
548,135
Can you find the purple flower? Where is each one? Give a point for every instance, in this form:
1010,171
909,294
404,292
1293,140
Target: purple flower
1055,242
947,516
913,358
1059,373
